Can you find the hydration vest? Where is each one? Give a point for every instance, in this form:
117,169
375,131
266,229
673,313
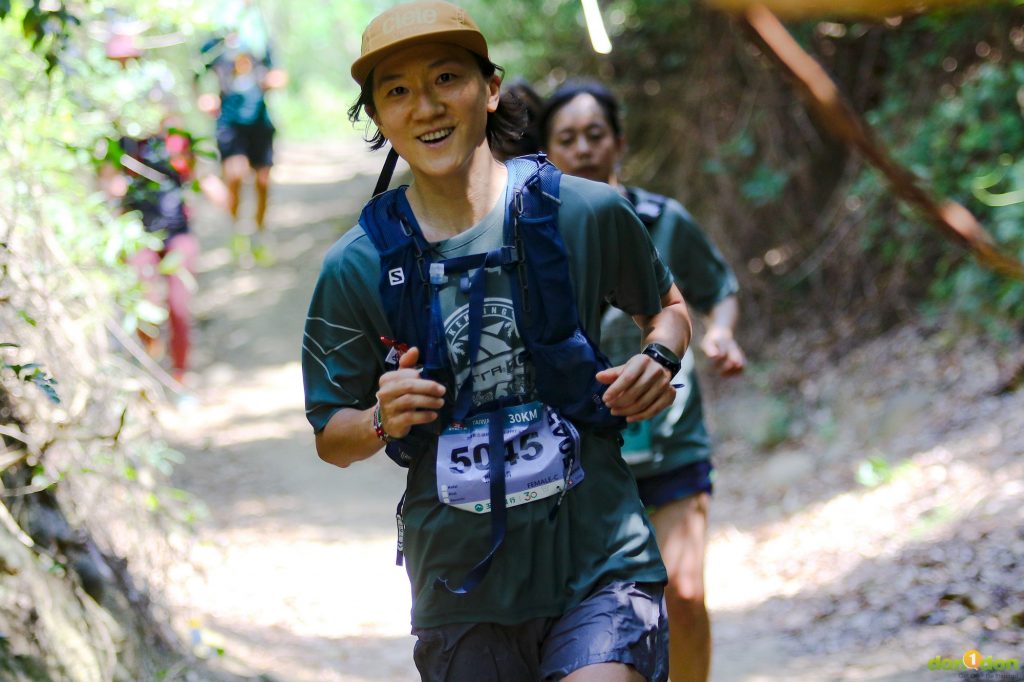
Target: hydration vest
648,205
533,255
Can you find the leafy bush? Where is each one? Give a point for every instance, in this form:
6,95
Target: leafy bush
78,417
968,143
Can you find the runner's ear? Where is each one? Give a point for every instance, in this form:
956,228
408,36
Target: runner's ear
493,93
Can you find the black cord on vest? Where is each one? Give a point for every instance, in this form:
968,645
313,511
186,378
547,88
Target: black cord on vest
386,172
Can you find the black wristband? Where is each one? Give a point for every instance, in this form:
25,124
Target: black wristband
664,357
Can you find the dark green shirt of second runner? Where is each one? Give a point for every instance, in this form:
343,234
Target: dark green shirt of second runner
677,435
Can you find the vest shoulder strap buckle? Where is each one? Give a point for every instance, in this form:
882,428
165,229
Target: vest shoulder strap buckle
518,205
509,255
437,276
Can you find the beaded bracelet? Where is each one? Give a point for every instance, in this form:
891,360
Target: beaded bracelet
378,425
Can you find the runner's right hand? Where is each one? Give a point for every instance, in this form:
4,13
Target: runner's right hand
406,399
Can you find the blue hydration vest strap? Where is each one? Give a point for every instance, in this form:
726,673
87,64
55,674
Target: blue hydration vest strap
499,513
566,358
475,286
477,289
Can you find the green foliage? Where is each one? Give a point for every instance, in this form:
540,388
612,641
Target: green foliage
46,29
874,471
936,518
877,470
765,185
32,373
711,122
954,117
65,280
70,115
761,184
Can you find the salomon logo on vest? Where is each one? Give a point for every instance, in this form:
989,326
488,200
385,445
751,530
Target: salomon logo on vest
396,276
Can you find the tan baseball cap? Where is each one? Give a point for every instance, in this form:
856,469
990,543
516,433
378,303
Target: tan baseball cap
424,21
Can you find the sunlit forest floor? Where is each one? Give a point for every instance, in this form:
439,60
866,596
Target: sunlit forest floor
814,572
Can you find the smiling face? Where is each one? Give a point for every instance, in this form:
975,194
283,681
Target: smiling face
431,102
582,142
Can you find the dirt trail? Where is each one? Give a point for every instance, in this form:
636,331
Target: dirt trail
298,556
810,576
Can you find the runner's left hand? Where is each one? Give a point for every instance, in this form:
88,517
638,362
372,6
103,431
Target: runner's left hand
723,351
637,390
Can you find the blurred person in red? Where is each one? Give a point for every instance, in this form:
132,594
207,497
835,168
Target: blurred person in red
151,174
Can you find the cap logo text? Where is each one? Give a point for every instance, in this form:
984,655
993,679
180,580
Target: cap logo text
410,18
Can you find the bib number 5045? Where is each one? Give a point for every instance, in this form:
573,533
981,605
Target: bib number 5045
527,446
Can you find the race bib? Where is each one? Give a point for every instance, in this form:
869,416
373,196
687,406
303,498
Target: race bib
541,459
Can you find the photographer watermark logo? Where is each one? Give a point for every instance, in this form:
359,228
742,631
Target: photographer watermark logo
976,661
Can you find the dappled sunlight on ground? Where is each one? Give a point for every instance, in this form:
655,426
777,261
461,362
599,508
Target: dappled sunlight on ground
821,574
826,540
221,297
328,162
213,258
262,578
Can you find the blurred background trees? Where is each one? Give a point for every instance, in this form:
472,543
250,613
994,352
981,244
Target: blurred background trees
815,235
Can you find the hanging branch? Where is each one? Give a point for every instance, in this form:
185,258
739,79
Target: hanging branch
823,97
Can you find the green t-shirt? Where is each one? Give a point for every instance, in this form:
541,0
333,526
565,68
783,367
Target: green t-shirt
600,533
677,436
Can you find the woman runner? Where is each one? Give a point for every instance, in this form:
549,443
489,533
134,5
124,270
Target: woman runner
670,454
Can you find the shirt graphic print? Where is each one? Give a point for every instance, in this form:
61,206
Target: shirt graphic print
500,369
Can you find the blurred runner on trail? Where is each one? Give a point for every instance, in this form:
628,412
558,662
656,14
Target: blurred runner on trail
669,454
150,174
240,57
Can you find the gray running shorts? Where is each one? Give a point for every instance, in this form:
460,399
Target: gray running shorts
622,622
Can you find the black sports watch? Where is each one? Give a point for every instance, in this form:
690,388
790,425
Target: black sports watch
664,357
